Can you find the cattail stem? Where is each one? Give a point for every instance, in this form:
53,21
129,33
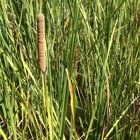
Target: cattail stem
41,42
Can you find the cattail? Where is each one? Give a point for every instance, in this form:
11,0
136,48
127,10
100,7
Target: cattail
41,42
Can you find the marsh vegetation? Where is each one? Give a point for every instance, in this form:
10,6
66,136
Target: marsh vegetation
89,88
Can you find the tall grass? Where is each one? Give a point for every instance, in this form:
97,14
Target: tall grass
90,89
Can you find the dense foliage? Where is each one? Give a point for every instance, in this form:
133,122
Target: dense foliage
90,90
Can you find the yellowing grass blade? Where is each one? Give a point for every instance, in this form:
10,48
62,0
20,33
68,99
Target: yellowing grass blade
3,134
26,68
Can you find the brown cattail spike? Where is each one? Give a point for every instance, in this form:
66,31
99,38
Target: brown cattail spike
41,42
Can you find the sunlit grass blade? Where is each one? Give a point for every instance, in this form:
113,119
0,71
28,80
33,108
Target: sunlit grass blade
3,134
